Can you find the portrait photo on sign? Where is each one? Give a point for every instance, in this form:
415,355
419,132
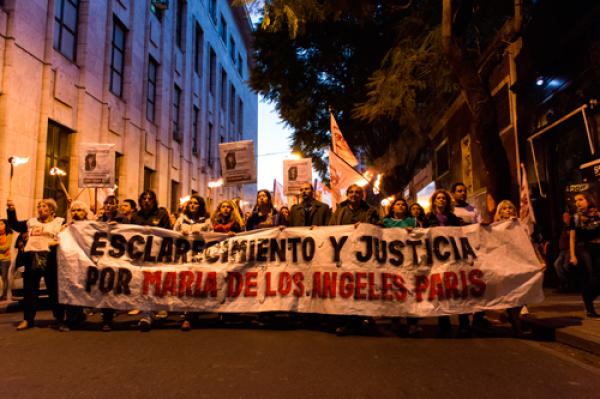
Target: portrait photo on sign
90,161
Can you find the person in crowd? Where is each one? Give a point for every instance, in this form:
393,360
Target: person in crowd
442,214
149,213
284,216
354,210
193,220
418,213
6,241
128,208
41,246
399,216
584,249
310,211
111,210
506,210
264,214
466,212
226,219
561,264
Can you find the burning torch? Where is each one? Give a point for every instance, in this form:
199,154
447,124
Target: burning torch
14,161
55,171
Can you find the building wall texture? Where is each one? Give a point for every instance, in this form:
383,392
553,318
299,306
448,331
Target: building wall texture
39,85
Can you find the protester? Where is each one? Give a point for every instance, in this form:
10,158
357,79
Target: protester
150,214
284,216
561,264
584,249
226,218
193,220
354,210
418,213
398,215
309,212
6,240
41,247
466,212
111,210
264,214
128,209
442,215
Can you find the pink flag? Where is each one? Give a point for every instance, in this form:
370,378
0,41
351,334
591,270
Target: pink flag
342,175
525,209
339,144
279,199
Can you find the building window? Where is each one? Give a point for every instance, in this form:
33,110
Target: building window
65,27
212,10
212,70
442,159
209,154
223,30
240,65
58,153
198,49
240,114
151,94
232,49
118,164
232,96
117,61
223,89
175,195
176,112
179,24
195,129
158,7
149,176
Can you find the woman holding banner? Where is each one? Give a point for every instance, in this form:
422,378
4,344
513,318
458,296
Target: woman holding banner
442,215
193,220
41,261
226,219
584,249
264,214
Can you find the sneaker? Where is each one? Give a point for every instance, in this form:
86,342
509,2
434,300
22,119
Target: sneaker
23,325
134,312
144,325
62,327
592,315
106,327
186,326
162,314
342,331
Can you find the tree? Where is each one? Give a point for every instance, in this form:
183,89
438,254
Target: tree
385,66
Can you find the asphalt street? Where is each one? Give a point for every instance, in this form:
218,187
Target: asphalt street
247,362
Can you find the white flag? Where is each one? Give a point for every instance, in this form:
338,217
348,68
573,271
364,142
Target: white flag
525,209
278,196
339,144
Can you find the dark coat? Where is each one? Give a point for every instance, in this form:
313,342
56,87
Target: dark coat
319,215
364,214
432,221
156,218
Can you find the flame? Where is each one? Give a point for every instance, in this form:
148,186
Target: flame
215,183
16,161
387,201
55,171
377,185
361,183
183,200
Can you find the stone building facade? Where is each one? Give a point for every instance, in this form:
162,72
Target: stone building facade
164,81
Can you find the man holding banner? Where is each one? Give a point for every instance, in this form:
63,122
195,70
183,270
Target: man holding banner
309,212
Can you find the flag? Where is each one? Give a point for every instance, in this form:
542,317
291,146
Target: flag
278,196
342,175
526,213
339,144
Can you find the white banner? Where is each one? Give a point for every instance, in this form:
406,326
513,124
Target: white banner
332,270
238,165
296,172
96,165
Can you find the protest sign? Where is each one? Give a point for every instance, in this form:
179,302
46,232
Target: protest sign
96,165
295,173
238,165
331,270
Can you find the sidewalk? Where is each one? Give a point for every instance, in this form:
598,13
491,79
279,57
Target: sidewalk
561,317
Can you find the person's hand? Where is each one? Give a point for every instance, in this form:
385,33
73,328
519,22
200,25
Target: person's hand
573,260
312,227
356,225
10,205
281,228
231,234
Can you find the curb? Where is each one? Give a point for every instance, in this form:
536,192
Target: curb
9,306
571,335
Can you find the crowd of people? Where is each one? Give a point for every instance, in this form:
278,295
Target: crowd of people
38,241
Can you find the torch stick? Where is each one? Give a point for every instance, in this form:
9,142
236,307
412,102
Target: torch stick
55,171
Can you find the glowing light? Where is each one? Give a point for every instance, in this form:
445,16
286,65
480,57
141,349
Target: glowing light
295,155
361,183
55,171
215,183
16,161
539,82
183,200
388,201
377,185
